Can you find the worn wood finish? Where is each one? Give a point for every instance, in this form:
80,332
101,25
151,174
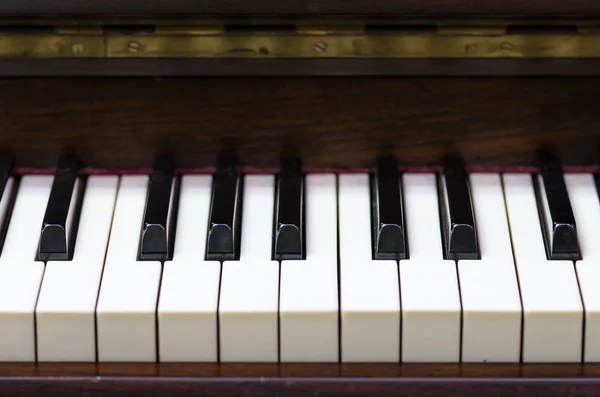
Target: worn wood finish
329,122
584,8
300,67
410,380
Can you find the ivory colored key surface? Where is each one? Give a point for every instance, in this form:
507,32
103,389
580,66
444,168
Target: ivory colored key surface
586,208
369,289
129,291
553,312
66,306
428,284
20,274
189,294
491,329
249,287
309,289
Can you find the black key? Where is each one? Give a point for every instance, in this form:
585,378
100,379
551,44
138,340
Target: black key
387,212
59,228
289,228
158,229
6,166
225,215
556,214
459,234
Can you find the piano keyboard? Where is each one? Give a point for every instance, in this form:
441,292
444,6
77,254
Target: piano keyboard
353,267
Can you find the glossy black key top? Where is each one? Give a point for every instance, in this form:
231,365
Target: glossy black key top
59,228
388,233
459,233
158,229
555,211
289,228
225,215
7,195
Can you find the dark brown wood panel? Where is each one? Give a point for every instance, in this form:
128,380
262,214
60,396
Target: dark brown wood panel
330,122
291,380
584,8
230,67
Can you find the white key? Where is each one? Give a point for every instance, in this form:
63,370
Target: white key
20,273
586,208
428,284
26,219
553,313
189,294
369,289
489,287
309,304
65,311
250,286
126,310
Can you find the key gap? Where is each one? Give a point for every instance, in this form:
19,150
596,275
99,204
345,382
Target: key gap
400,313
583,319
218,319
339,292
512,247
407,247
304,217
461,325
156,329
279,315
273,249
112,219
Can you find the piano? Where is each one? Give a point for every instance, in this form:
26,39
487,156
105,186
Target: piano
299,198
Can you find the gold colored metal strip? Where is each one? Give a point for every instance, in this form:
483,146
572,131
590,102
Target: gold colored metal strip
52,46
355,46
307,41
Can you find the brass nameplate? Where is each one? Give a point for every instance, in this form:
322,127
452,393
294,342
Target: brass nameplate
300,41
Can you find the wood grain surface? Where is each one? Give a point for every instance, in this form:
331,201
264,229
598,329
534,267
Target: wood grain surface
584,8
330,122
282,380
224,67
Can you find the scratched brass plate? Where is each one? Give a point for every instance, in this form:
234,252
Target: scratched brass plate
355,47
348,42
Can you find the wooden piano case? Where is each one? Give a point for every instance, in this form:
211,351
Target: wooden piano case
116,82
